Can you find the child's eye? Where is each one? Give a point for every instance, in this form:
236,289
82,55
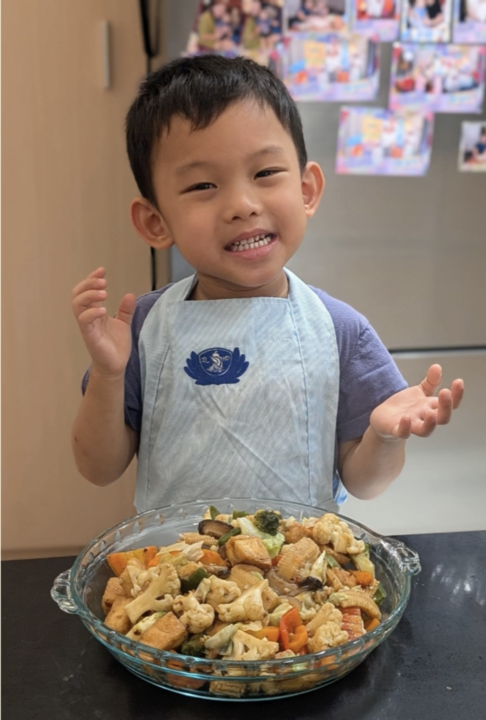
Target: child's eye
201,186
267,173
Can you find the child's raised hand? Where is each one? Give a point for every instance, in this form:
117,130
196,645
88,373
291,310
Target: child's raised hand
416,410
108,339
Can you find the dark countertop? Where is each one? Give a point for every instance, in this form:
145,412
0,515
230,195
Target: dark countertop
433,666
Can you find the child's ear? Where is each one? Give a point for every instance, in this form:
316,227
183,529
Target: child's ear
150,224
313,183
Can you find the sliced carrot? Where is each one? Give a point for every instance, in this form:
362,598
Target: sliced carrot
371,624
329,661
276,559
211,557
363,578
118,561
180,681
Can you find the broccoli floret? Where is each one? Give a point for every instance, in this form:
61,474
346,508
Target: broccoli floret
194,645
267,521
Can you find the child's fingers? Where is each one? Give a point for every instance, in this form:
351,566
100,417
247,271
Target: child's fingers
99,272
432,380
89,316
89,283
404,428
427,426
126,308
457,390
87,299
444,410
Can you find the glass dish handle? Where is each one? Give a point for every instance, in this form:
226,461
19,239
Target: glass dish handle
61,593
408,557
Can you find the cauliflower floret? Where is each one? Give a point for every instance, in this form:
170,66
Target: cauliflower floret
216,591
247,647
195,616
186,551
142,579
327,613
221,639
286,523
307,614
164,583
249,606
330,529
308,606
202,589
129,577
327,635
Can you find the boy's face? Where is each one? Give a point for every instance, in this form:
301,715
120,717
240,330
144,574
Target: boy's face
234,181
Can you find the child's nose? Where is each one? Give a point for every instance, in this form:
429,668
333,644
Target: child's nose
243,205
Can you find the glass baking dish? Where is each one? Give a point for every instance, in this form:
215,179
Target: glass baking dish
80,589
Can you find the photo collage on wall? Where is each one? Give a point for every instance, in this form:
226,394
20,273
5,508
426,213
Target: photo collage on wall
329,51
472,148
374,141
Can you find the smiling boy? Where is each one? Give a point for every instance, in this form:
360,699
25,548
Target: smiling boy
241,380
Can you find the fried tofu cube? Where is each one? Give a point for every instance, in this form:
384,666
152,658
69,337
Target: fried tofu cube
166,633
249,550
117,619
114,588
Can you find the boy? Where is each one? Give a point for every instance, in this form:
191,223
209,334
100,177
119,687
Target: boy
240,381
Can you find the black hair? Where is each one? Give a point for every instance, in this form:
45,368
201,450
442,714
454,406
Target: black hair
199,89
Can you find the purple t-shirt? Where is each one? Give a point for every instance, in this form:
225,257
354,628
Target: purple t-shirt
368,374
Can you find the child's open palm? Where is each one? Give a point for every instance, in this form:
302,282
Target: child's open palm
416,410
108,339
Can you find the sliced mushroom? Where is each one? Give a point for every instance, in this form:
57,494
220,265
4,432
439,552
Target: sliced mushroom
214,528
291,601
310,583
280,585
221,571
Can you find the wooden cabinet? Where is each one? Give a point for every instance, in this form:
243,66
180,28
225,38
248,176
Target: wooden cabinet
67,186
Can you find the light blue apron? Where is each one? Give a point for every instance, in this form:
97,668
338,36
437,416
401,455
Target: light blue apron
239,398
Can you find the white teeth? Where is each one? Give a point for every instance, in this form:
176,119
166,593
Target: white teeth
250,243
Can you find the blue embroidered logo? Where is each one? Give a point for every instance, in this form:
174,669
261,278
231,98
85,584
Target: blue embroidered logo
216,366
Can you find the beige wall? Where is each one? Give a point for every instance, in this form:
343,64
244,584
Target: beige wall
66,193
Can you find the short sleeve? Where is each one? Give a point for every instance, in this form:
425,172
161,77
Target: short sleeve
369,376
368,373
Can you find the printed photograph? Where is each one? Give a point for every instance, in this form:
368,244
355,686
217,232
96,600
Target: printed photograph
469,21
328,67
440,78
426,20
316,15
373,141
237,27
472,147
376,18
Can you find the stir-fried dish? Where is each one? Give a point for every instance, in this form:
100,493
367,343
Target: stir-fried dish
247,587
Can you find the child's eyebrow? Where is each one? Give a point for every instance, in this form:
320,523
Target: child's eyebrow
205,164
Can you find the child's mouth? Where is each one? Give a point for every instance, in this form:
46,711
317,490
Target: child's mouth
251,243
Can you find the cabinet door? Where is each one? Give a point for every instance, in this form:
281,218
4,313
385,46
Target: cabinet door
67,186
